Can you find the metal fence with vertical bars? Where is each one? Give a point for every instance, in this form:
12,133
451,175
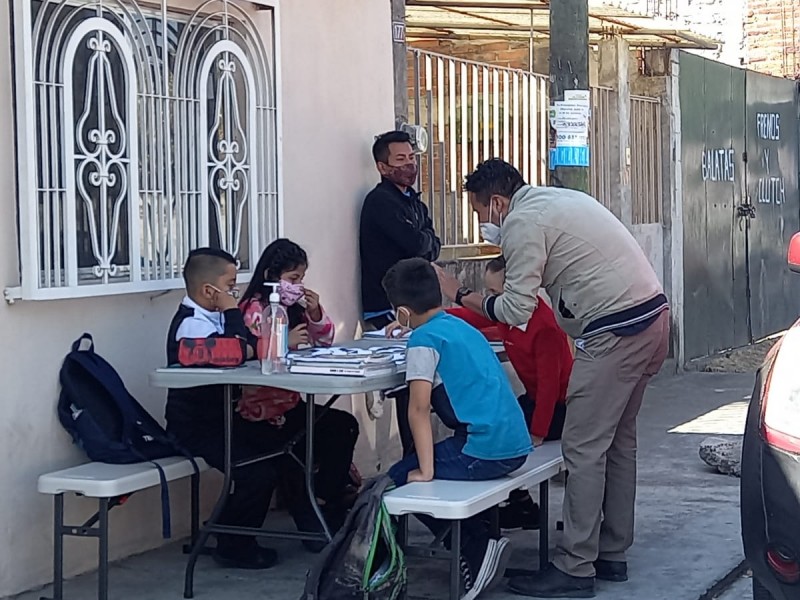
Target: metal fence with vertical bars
645,162
599,180
474,111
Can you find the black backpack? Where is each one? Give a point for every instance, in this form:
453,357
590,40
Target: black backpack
107,422
364,560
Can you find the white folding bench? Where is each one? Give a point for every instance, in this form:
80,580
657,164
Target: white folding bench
111,485
458,500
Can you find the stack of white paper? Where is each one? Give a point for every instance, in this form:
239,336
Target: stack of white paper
354,362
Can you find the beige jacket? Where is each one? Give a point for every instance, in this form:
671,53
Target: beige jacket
589,263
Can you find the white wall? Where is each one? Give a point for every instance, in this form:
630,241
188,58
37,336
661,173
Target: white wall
337,93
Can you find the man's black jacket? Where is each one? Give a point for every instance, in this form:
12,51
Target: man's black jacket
394,226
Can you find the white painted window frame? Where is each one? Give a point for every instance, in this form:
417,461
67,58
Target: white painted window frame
30,287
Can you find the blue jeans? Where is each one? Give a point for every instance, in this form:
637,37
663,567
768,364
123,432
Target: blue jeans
449,462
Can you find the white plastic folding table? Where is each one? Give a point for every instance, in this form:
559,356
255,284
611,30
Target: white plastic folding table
250,374
309,386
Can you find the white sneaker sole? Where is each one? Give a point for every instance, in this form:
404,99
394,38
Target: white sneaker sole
503,556
497,552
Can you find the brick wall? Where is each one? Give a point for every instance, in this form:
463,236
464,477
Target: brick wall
762,35
772,37
501,53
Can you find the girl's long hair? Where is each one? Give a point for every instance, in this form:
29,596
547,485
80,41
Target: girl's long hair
280,256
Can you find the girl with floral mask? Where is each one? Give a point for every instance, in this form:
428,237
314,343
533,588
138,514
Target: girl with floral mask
282,411
285,263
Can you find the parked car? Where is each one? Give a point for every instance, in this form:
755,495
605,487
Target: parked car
770,486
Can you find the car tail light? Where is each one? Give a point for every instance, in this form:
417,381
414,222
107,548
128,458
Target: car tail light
780,406
783,564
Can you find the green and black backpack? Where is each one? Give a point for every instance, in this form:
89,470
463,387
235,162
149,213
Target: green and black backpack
364,560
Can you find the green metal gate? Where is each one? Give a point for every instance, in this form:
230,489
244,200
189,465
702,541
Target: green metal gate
741,204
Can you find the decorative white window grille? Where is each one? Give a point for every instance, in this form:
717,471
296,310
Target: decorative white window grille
144,131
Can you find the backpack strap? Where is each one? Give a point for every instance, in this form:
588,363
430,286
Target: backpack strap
85,343
166,522
179,448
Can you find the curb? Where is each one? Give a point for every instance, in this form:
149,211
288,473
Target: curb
726,582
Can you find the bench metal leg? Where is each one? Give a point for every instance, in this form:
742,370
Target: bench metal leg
60,531
455,561
58,547
544,524
102,573
560,524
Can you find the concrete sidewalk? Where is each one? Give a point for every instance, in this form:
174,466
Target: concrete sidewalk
687,519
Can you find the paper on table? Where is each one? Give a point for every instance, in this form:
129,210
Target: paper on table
381,333
336,353
396,351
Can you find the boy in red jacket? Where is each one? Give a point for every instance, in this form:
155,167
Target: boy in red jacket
541,356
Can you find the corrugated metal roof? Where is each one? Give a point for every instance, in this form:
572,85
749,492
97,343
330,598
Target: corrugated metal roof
522,19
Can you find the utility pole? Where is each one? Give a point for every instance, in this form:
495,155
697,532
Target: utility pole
569,70
400,61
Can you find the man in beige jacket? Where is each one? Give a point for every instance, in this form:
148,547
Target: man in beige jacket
607,297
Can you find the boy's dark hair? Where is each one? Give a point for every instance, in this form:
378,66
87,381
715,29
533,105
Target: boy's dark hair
413,283
280,256
380,149
205,265
496,264
494,177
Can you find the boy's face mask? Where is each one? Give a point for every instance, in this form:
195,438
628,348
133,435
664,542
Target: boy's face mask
291,293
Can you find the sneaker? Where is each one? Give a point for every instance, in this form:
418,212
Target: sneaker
611,570
503,556
483,566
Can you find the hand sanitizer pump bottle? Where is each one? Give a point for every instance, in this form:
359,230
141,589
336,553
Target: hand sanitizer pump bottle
274,334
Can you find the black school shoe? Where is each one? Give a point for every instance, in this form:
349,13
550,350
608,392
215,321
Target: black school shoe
611,570
520,512
244,554
552,583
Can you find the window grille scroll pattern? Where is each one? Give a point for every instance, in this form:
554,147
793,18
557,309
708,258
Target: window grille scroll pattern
153,133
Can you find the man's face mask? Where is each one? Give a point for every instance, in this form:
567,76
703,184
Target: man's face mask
403,175
490,232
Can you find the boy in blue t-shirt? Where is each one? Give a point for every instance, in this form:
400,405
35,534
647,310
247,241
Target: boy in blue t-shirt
452,369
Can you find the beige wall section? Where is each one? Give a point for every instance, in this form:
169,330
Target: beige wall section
344,97
336,96
651,240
